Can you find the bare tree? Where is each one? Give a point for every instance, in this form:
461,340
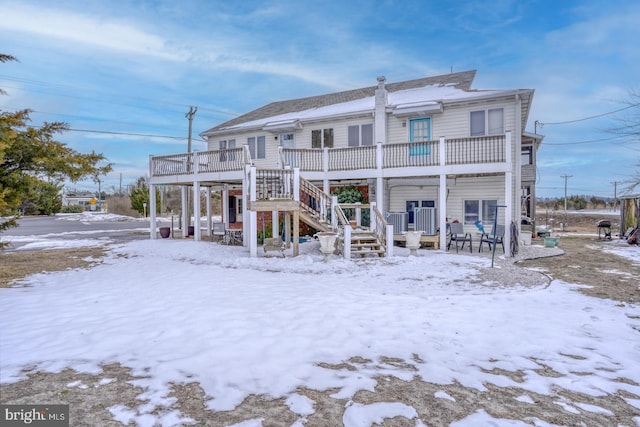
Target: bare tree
628,128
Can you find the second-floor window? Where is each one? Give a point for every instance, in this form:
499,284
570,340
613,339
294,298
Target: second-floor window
322,138
230,143
487,122
527,155
257,147
360,135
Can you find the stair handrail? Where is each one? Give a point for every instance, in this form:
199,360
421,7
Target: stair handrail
381,225
314,200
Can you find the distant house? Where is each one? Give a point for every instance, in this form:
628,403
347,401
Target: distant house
87,200
424,152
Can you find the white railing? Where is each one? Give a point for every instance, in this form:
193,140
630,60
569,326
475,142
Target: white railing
457,151
228,160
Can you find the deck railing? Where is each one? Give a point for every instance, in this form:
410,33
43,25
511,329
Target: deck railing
274,184
231,159
458,151
485,149
314,200
424,153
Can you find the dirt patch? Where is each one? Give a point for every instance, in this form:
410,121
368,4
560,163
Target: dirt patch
19,264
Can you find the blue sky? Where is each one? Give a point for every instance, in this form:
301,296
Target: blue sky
135,67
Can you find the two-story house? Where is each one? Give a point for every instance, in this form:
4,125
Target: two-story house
425,152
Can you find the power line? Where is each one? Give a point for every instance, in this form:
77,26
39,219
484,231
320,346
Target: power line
588,118
585,142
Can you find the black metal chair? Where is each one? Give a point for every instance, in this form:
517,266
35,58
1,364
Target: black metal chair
488,238
458,235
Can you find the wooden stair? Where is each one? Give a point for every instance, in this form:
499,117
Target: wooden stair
364,243
312,220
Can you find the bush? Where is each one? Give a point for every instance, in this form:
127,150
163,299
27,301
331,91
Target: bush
72,209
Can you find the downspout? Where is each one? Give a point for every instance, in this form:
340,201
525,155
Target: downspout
518,161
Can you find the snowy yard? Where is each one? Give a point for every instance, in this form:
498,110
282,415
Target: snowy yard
179,311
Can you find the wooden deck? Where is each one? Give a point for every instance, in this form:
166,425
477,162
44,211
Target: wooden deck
432,242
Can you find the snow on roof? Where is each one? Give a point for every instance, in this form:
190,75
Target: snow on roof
417,96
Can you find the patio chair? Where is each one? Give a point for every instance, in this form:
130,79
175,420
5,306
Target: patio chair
488,238
458,235
219,233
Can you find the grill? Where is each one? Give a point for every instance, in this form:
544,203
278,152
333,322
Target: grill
604,229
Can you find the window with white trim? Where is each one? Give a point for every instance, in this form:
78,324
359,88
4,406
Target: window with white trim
487,122
483,210
257,147
360,135
322,138
223,145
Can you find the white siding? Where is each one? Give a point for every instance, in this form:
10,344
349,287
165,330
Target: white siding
474,188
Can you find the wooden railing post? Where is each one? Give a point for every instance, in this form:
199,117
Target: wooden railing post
334,216
389,232
373,219
296,184
347,242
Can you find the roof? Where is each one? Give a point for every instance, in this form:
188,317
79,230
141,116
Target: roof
449,87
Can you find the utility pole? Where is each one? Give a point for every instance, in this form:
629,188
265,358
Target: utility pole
566,177
615,195
189,115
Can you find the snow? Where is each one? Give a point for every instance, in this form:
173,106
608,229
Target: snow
398,98
177,310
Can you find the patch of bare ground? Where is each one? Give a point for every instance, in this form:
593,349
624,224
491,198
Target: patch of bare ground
584,261
18,265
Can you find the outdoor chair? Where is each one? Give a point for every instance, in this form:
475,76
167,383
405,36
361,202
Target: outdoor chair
488,238
458,235
219,233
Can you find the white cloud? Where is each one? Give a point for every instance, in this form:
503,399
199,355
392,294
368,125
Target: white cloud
87,30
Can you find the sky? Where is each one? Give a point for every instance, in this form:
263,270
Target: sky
123,74
262,326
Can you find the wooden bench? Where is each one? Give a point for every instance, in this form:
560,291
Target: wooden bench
274,244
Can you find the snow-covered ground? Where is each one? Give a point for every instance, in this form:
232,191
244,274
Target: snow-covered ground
177,310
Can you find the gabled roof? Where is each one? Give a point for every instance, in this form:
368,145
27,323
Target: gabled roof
423,95
461,80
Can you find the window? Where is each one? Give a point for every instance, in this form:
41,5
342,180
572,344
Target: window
223,146
322,138
287,140
527,155
487,122
257,147
360,135
420,131
473,213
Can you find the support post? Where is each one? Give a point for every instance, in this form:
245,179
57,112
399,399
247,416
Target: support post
296,232
347,242
184,191
250,234
152,211
196,211
389,238
442,196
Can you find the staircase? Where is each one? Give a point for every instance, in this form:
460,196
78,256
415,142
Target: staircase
364,243
277,190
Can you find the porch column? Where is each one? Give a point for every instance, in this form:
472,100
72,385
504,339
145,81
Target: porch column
442,196
296,233
325,169
152,211
196,211
508,195
247,184
250,234
208,207
185,210
224,195
275,223
380,199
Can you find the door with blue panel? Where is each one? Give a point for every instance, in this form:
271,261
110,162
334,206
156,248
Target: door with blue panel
419,132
